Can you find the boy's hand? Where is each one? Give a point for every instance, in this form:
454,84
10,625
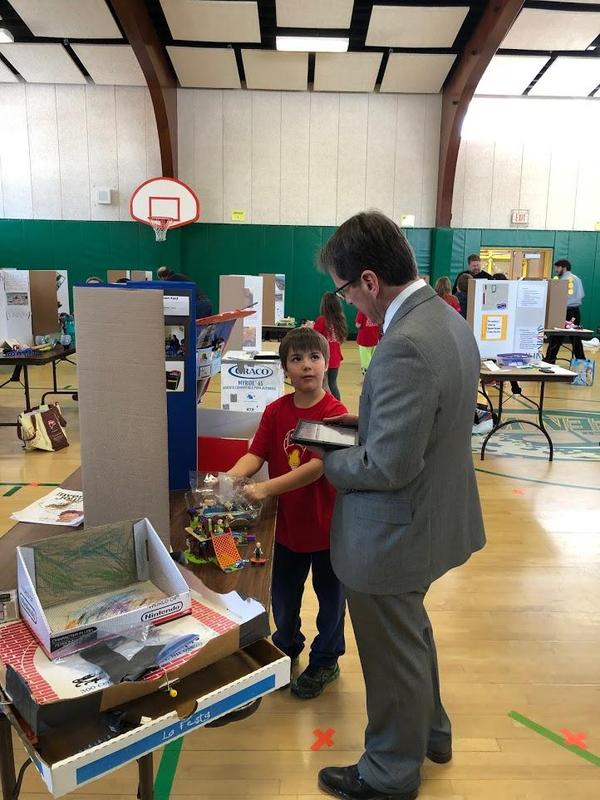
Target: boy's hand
256,491
343,419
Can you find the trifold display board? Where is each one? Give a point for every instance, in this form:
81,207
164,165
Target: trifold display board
179,359
28,304
243,291
507,316
273,305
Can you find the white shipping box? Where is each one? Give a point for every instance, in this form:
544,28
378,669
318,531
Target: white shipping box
248,384
153,564
233,683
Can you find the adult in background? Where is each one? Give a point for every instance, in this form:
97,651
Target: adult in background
473,270
203,303
575,295
443,290
407,508
331,323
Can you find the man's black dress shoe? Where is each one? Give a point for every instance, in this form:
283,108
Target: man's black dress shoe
346,782
440,756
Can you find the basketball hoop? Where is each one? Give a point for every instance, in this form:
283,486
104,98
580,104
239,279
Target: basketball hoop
160,226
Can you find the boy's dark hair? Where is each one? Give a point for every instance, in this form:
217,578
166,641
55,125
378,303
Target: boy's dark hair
370,240
562,262
302,340
473,257
499,276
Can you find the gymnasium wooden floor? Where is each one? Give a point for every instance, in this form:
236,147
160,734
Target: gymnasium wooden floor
517,628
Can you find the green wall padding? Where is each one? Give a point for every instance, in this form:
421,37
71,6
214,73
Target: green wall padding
208,250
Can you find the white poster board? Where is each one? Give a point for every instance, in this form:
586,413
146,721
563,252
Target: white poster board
252,326
509,317
17,306
279,297
62,291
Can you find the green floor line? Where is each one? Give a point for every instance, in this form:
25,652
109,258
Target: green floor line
13,490
536,480
163,783
28,483
555,737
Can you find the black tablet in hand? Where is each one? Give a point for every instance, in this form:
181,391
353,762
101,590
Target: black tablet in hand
321,434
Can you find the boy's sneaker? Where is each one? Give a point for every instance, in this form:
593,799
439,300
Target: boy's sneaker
313,680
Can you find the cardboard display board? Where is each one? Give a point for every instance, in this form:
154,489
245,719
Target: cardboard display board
273,305
123,406
44,302
556,310
507,316
62,291
113,275
241,292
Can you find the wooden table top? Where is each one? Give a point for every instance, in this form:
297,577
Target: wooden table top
250,581
583,333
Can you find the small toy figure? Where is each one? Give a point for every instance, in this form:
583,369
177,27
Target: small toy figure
259,556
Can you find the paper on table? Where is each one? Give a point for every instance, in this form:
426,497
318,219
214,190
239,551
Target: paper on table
59,507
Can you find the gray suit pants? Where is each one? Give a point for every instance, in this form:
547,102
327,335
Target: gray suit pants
404,708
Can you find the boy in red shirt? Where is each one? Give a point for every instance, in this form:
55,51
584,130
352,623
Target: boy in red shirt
304,514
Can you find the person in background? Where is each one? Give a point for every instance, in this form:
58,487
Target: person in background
203,303
443,289
575,295
304,511
499,276
473,270
93,279
367,338
333,326
462,287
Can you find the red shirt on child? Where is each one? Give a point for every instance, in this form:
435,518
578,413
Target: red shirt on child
335,349
303,515
368,332
452,301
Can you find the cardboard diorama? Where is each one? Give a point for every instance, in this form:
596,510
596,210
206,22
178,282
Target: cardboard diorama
212,336
97,744
74,590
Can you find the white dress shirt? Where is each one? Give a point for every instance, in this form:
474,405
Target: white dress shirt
399,299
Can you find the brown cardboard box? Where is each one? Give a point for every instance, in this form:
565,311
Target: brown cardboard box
44,305
268,301
556,304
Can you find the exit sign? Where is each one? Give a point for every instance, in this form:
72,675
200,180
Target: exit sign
519,216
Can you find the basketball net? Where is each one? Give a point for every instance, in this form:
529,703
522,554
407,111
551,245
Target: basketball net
160,226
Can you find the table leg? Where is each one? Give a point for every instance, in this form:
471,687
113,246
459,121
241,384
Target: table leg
498,420
7,759
54,376
541,421
146,775
26,385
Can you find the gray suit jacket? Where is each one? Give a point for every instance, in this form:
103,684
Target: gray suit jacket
408,508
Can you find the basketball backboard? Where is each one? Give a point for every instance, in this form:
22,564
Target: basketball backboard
165,203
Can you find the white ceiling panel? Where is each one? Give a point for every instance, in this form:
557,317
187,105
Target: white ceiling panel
569,77
510,75
314,13
212,20
76,19
43,63
111,64
538,29
346,72
205,67
268,69
414,26
416,73
6,76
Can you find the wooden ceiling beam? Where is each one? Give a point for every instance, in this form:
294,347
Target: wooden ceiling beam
487,37
137,25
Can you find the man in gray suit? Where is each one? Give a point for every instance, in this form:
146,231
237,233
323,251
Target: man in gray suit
407,509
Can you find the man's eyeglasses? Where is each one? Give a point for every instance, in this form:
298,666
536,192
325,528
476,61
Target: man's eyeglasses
340,291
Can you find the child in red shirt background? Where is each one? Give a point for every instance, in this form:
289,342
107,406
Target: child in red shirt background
367,339
332,324
304,512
